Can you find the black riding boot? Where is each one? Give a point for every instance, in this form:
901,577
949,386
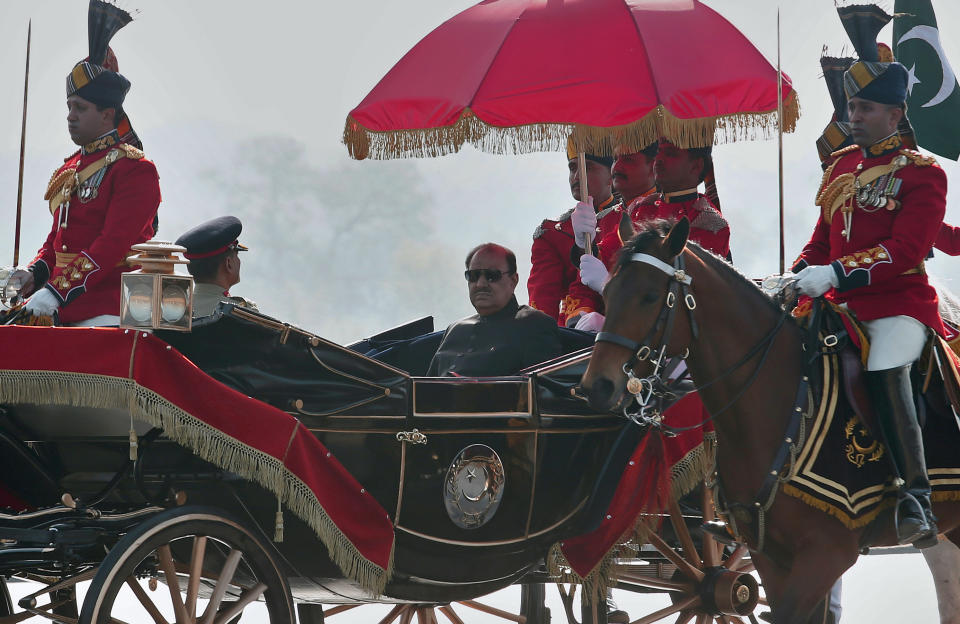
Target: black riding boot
892,396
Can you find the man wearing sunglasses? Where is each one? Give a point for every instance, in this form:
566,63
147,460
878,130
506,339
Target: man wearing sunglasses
503,337
213,250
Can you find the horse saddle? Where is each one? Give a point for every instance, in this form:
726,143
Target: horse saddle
832,329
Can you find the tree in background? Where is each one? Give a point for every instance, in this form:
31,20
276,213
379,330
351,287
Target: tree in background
345,251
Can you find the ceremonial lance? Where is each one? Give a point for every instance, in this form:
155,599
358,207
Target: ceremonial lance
23,138
780,140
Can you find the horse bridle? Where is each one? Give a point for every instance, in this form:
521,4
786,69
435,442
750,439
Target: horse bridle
655,386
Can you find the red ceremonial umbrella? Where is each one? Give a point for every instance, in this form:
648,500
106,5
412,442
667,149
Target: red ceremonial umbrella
511,76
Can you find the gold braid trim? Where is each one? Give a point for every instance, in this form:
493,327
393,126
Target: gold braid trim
919,159
552,137
825,183
206,442
836,512
693,468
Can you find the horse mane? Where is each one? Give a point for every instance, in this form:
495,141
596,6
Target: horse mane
657,229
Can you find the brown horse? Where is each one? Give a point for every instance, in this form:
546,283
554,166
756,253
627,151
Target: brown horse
746,358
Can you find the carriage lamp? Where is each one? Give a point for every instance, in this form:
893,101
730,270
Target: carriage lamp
153,297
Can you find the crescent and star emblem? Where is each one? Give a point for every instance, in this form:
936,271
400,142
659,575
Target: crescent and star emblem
931,35
861,447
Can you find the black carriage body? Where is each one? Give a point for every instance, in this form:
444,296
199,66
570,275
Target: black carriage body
560,463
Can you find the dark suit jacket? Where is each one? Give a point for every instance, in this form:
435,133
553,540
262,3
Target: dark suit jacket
501,343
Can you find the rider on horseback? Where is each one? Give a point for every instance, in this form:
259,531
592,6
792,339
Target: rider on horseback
881,210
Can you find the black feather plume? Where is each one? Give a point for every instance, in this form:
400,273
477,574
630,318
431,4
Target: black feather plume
863,23
103,22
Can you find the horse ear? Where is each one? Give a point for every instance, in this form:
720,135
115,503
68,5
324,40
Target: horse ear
626,227
676,239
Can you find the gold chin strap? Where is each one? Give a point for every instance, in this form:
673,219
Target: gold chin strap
688,191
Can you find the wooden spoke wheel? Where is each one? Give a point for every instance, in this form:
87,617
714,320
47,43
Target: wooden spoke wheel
184,566
532,611
6,604
706,585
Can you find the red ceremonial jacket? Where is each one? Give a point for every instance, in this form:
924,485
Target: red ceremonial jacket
94,227
876,246
551,270
708,229
948,239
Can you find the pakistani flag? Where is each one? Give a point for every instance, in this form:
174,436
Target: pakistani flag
933,96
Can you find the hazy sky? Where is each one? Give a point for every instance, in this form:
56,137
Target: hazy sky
209,75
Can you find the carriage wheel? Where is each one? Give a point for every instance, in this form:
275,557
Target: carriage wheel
533,610
6,603
212,567
705,585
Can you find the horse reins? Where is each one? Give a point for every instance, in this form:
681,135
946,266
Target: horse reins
680,284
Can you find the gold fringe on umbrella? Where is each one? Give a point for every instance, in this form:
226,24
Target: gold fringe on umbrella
552,137
206,442
685,476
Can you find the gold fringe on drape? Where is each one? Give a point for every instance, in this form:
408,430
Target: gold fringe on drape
685,476
208,443
552,137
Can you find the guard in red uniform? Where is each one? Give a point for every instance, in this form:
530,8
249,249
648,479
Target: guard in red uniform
677,173
948,239
632,180
551,270
882,207
103,199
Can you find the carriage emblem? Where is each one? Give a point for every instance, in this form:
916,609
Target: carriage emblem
473,487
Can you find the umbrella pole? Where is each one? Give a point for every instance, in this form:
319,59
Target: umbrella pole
780,138
584,195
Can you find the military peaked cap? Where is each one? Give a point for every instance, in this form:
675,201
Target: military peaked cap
212,238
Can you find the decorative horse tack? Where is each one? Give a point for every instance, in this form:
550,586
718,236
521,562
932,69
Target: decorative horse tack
656,387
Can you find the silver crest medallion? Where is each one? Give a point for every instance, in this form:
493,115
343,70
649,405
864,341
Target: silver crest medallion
474,486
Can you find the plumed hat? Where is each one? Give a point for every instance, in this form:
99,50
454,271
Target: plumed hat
871,78
97,78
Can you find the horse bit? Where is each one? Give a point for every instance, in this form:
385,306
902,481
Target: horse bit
650,392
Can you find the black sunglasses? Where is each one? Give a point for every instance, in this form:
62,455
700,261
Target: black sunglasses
492,275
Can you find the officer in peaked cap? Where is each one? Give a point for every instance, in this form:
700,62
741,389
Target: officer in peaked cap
213,249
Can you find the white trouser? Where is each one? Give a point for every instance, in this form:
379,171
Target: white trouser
104,320
894,341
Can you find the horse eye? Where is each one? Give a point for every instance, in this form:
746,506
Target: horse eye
649,298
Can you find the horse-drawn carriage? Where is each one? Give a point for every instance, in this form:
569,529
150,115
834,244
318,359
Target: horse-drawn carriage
250,461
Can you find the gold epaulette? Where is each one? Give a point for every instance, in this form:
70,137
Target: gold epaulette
130,151
66,182
844,150
60,177
919,159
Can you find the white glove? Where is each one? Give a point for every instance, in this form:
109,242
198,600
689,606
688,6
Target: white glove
592,272
591,322
43,303
813,281
584,221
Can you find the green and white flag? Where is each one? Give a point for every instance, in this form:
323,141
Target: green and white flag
933,96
